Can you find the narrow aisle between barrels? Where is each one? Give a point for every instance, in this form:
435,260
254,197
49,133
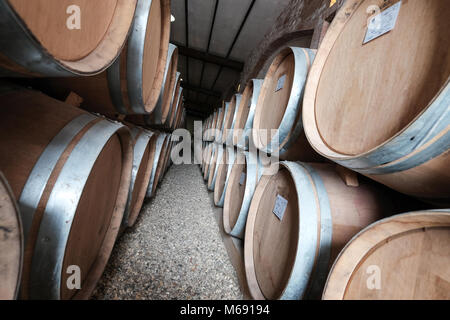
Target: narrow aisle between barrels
175,250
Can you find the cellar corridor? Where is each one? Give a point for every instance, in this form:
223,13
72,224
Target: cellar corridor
175,250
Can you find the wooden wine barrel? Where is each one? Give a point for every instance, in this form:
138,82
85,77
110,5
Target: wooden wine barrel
144,147
166,157
206,132
181,114
212,125
280,104
404,143
220,122
175,102
209,157
160,152
245,174
405,257
37,37
205,127
223,174
213,168
246,114
132,85
11,243
299,220
161,112
70,171
230,119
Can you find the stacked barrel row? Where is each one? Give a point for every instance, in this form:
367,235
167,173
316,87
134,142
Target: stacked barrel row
344,122
78,161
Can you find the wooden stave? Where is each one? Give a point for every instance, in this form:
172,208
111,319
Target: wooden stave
308,275
290,131
31,192
375,234
396,158
23,48
9,196
243,141
143,140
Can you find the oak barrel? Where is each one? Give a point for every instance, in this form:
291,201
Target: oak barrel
144,147
244,177
298,221
161,111
62,38
214,167
209,156
132,85
277,125
246,113
11,243
70,171
230,119
221,121
405,257
389,121
158,160
223,174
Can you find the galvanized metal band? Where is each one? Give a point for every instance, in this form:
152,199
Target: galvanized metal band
251,181
156,116
216,169
244,142
298,126
305,255
159,145
320,273
229,138
135,57
20,46
393,156
138,153
232,157
114,86
43,168
302,64
50,247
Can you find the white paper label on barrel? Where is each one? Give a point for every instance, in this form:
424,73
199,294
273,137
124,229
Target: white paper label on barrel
280,207
280,83
382,23
242,180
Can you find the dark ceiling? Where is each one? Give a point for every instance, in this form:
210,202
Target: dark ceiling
214,38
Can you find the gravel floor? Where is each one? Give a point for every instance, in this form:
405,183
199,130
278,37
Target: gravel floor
175,250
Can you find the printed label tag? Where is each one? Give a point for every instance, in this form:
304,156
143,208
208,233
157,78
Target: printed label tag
280,83
383,22
242,180
280,207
